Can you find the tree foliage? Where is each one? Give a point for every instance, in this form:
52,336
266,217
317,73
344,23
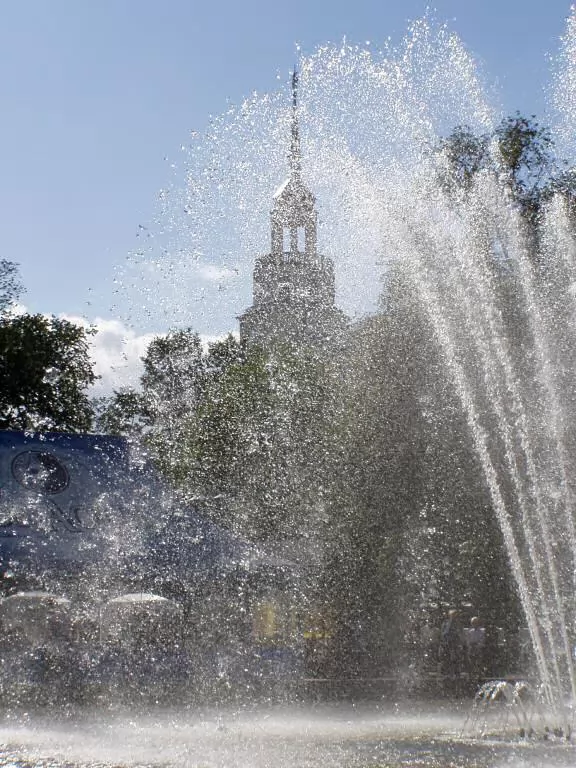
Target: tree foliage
466,154
10,285
259,435
124,413
242,430
45,370
520,151
412,528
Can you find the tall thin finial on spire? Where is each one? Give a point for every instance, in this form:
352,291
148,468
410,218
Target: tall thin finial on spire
295,154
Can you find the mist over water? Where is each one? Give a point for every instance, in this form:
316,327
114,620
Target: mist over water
276,738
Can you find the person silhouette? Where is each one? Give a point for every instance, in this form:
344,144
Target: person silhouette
451,652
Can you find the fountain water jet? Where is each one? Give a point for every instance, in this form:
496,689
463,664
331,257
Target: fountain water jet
512,401
382,203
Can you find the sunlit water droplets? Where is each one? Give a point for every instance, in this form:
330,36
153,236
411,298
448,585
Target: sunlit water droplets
563,93
365,116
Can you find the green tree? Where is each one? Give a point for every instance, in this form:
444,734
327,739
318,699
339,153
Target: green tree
466,155
412,526
124,413
257,438
525,151
45,372
520,151
10,285
245,430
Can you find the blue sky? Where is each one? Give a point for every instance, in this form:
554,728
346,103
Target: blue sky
97,98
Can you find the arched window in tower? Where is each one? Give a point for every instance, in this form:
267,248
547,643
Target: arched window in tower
301,240
286,239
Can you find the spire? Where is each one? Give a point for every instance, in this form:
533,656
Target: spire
295,154
294,215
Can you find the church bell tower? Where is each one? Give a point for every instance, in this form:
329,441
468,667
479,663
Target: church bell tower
293,285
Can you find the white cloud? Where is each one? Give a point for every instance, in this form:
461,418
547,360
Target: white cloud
117,352
213,273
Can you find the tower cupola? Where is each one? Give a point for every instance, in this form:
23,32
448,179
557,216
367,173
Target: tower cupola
294,287
293,217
